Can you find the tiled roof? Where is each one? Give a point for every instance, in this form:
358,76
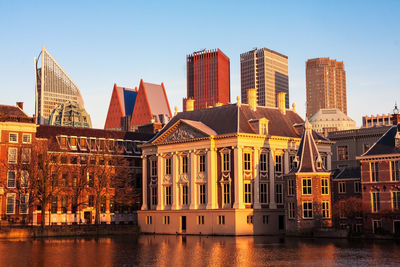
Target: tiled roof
14,113
231,118
307,154
157,100
386,144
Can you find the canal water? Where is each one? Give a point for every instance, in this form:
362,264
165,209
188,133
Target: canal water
150,250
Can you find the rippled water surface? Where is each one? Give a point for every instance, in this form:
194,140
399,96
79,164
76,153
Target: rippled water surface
148,250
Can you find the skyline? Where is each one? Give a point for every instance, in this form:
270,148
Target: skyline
102,44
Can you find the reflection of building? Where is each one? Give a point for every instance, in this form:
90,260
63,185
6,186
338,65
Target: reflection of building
326,85
352,143
17,133
380,181
329,120
220,170
70,114
121,107
53,87
86,160
208,78
308,193
151,105
267,72
378,120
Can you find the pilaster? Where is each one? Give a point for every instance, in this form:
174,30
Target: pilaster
238,179
272,204
192,179
256,176
212,177
286,161
175,186
160,176
144,185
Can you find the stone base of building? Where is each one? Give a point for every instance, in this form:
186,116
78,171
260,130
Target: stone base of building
212,222
83,217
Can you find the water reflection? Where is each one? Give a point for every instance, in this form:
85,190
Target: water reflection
168,250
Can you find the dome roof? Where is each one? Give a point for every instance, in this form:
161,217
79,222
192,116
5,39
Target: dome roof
329,114
70,113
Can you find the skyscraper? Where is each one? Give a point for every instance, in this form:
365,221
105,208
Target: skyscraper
208,78
326,85
266,71
53,87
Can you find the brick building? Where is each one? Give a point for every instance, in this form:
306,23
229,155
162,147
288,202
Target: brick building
208,78
380,182
377,120
17,133
308,194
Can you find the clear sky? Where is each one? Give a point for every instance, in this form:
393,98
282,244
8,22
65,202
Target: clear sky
99,43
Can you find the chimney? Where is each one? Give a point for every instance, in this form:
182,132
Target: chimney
282,102
189,104
294,107
252,98
20,105
176,111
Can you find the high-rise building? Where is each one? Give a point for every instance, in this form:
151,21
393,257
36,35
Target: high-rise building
266,71
53,87
326,85
208,78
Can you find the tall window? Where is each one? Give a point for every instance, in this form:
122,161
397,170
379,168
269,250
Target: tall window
396,200
24,179
64,204
24,203
184,164
395,170
376,204
342,187
26,138
264,193
153,169
11,183
307,186
12,155
263,162
154,195
279,193
185,194
324,186
168,165
374,171
291,210
10,205
26,155
202,163
357,187
307,209
91,180
90,201
202,194
168,195
54,204
325,209
226,162
247,161
278,164
291,187
292,163
227,195
247,192
343,153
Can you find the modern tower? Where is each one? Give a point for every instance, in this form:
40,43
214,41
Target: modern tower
208,78
266,71
53,87
326,85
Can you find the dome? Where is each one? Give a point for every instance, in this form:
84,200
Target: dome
71,114
328,120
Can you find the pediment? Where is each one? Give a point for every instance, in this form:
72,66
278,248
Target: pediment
183,130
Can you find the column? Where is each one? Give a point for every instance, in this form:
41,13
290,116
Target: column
286,162
272,204
238,179
175,185
160,176
329,160
256,176
211,168
192,179
144,185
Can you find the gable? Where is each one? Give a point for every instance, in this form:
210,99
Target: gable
180,131
115,111
141,112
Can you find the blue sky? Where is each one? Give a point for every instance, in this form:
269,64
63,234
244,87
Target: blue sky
99,43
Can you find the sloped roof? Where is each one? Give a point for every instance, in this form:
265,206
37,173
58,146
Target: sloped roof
14,113
329,114
386,144
157,100
231,118
128,98
347,173
200,126
308,154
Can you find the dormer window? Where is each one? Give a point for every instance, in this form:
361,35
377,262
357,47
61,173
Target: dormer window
82,143
73,142
397,140
263,126
63,141
92,144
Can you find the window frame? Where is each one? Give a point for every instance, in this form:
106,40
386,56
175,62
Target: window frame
306,189
12,141
324,186
308,208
